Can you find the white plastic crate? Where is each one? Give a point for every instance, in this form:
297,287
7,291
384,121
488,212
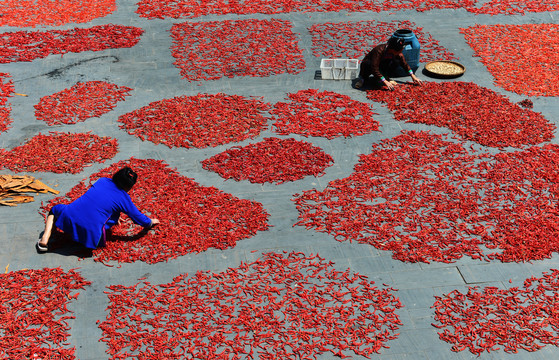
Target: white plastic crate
339,69
326,66
352,69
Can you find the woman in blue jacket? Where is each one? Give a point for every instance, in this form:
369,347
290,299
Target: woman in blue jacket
88,217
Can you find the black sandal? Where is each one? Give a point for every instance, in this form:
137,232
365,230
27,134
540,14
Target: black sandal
41,248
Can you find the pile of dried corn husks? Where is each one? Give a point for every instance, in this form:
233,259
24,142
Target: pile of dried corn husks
14,187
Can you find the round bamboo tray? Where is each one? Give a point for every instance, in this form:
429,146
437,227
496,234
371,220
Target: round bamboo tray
444,69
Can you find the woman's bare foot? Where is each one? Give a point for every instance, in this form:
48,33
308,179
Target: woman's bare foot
42,245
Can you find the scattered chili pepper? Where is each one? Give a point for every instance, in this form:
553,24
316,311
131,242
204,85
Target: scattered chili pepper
474,112
346,40
198,121
281,306
6,90
59,153
213,49
512,54
272,160
426,199
80,102
31,45
327,114
34,313
193,218
516,318
30,13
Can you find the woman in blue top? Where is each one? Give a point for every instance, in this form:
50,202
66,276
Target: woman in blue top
88,217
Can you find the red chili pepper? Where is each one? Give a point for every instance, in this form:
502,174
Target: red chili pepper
345,39
28,46
59,153
474,112
513,318
6,90
80,102
198,121
272,160
530,76
160,9
431,205
327,114
220,49
257,306
34,308
24,13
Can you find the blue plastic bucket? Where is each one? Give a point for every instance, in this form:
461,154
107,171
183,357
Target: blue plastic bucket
411,50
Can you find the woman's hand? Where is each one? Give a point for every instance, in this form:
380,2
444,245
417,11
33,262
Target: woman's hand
416,80
389,84
154,222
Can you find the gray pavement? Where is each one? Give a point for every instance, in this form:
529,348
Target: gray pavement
148,69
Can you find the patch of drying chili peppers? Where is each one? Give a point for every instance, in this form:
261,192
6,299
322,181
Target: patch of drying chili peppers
474,112
490,318
198,121
34,314
281,306
193,218
160,9
80,102
31,45
214,49
346,40
272,160
6,91
59,153
512,7
522,58
429,199
327,114
30,13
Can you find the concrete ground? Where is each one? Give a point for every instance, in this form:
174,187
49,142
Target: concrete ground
148,69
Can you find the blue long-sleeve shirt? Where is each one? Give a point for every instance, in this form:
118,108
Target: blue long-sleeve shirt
100,207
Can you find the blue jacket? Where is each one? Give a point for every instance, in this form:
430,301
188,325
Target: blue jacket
100,207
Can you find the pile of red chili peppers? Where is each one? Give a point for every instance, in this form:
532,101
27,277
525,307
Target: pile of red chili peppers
34,313
160,9
346,40
30,13
202,120
326,113
6,91
80,102
474,112
193,217
214,49
512,7
486,319
272,160
281,306
59,152
31,45
522,58
429,199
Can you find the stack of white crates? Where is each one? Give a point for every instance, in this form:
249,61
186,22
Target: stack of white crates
339,69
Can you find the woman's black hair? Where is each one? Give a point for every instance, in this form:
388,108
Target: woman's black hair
125,178
396,43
